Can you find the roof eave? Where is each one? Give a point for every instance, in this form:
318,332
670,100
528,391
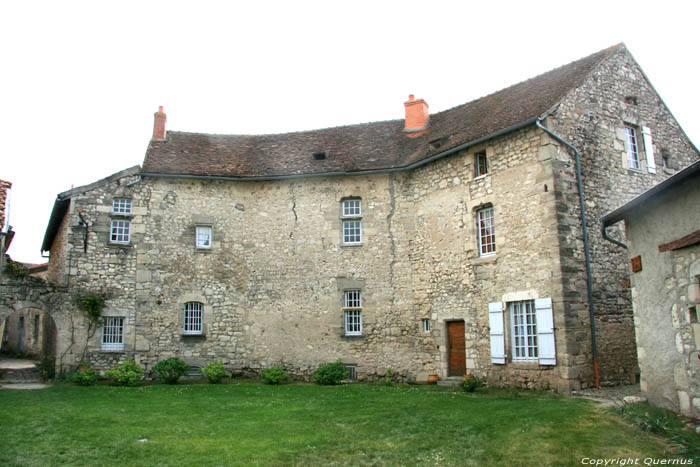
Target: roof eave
621,213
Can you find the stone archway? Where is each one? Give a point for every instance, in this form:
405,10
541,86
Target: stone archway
28,333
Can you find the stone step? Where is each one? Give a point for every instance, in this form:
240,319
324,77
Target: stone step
21,375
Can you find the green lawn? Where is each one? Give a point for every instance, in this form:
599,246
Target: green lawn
300,424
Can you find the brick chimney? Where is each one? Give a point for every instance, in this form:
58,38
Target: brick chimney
159,119
416,115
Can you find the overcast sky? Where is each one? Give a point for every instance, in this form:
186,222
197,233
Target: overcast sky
80,81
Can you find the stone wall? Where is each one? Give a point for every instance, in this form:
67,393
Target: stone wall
592,118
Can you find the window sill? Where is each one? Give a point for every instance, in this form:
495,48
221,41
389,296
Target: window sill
481,177
202,249
484,259
351,245
119,245
112,351
354,336
121,215
194,336
530,364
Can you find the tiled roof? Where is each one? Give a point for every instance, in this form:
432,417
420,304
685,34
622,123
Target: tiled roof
364,147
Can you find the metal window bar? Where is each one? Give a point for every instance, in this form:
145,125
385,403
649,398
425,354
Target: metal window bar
632,148
352,232
113,333
352,208
487,232
193,318
426,325
120,232
121,206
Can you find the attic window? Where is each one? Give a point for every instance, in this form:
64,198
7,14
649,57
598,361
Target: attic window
319,156
632,100
436,143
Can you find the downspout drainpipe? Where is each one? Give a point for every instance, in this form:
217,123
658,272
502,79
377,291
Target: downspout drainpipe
586,249
603,230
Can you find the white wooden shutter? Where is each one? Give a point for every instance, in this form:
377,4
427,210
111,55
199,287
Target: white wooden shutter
498,343
545,331
649,149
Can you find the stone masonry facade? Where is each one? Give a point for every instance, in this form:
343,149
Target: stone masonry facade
272,284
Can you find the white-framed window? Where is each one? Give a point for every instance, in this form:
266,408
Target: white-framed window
194,318
351,214
112,333
120,231
121,206
426,325
352,312
632,147
523,323
486,232
352,208
531,330
203,236
481,164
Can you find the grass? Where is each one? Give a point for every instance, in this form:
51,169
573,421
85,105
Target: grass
302,424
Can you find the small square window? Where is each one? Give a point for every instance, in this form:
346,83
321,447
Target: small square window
352,372
481,165
121,206
120,232
352,208
426,325
203,236
112,333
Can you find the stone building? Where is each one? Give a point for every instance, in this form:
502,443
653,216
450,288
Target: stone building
663,241
439,243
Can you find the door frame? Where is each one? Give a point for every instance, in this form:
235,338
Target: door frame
449,347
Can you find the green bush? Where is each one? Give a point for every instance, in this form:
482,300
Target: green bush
274,375
84,377
47,367
388,381
330,374
170,370
15,269
125,374
215,372
471,383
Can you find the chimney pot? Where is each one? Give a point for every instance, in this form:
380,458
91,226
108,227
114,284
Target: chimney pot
159,119
416,116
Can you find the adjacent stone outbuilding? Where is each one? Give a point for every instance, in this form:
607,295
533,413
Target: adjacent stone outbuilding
663,241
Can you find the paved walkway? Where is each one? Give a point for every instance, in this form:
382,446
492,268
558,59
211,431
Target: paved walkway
609,395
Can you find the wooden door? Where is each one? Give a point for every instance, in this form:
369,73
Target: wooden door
455,346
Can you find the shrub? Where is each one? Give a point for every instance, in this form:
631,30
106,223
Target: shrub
125,374
388,381
170,370
215,372
15,269
330,374
471,383
85,377
47,367
274,375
